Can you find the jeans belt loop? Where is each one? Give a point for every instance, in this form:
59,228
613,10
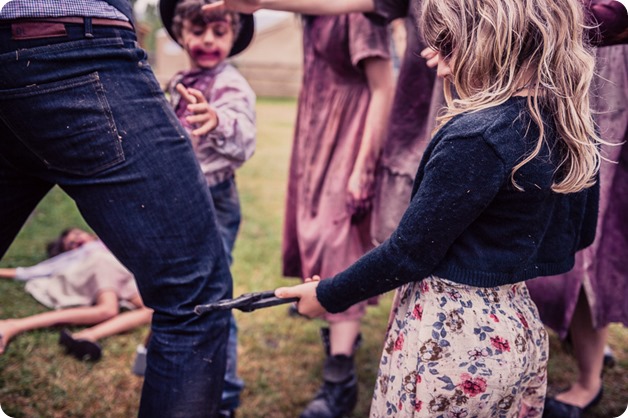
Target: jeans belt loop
89,32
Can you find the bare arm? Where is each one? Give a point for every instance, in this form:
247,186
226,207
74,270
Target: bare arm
399,36
314,7
361,182
7,273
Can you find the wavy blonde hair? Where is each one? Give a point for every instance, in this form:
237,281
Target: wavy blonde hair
497,48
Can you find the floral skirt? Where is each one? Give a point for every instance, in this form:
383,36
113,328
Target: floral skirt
454,350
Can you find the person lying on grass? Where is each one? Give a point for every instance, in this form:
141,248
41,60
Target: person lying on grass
86,285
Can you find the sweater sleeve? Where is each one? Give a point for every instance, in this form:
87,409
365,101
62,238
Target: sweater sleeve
460,179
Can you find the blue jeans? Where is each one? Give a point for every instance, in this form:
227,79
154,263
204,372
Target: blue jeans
228,216
84,111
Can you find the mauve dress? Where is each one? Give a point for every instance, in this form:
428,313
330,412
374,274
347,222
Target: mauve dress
320,234
602,268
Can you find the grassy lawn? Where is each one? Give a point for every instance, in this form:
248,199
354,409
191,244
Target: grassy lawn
280,358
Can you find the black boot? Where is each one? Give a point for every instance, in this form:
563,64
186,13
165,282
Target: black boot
339,393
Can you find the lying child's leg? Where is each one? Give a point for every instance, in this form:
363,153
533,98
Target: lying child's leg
126,321
105,308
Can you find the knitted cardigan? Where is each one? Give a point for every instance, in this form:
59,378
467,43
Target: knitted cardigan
466,222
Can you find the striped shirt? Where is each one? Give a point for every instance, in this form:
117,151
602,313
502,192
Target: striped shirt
19,9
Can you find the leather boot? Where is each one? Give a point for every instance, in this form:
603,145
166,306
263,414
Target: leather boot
339,393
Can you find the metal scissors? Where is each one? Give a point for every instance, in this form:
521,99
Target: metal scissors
247,302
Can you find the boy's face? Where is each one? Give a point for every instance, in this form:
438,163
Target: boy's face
208,44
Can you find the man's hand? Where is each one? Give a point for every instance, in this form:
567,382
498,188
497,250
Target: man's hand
203,117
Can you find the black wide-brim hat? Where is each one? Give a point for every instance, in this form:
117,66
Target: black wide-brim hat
247,26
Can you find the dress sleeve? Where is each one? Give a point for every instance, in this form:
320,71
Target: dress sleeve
461,178
367,39
388,10
611,20
47,267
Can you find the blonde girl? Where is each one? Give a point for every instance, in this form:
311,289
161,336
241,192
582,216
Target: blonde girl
506,191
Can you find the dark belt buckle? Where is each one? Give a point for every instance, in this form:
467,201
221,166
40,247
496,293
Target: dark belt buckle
247,302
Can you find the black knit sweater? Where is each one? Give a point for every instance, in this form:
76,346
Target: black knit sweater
466,222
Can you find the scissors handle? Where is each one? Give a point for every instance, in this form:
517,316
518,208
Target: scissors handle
248,302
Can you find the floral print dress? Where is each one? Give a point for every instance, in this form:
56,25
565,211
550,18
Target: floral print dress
454,350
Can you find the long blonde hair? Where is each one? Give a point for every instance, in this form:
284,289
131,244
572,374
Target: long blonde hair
497,48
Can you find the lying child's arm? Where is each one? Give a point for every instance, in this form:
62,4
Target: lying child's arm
7,273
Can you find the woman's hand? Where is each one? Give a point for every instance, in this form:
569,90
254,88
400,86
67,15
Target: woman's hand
203,117
360,190
308,304
435,59
431,56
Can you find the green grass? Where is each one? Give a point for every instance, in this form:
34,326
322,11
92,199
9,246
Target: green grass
280,358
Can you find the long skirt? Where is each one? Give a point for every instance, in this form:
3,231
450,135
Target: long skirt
454,350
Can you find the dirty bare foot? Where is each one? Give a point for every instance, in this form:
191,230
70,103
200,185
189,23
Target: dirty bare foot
580,395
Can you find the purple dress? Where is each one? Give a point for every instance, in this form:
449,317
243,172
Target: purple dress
600,269
320,236
417,98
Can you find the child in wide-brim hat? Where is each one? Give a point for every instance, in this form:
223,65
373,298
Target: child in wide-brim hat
172,22
216,106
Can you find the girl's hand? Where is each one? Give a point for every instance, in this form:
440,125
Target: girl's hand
431,55
203,116
308,304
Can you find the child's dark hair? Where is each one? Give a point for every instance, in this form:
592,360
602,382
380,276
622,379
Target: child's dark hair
57,246
191,10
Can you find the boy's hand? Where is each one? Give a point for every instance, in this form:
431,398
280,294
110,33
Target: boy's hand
308,304
242,6
203,115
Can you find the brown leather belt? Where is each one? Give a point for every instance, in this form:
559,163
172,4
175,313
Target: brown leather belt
52,27
96,21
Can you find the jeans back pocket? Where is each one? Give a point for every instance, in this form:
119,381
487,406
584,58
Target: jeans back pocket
67,124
